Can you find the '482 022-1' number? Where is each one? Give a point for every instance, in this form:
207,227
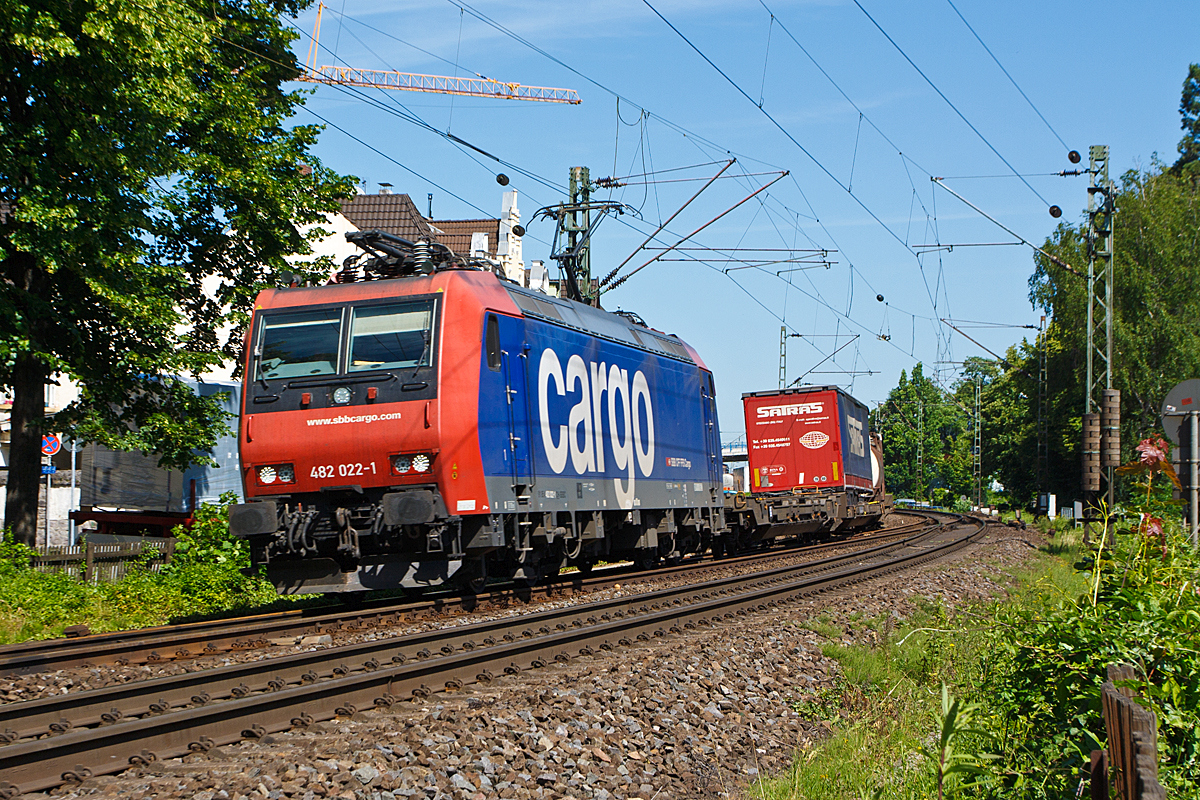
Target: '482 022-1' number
342,470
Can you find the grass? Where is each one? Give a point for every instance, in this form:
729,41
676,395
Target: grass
204,579
888,704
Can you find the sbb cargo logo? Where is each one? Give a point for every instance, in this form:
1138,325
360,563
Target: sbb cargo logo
791,410
583,436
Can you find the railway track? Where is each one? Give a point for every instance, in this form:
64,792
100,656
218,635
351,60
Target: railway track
214,637
69,738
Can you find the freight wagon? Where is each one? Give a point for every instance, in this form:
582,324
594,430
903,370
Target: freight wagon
814,468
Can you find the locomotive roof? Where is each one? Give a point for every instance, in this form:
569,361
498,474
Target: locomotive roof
566,313
602,324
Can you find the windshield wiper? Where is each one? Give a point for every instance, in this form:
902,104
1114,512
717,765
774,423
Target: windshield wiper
425,338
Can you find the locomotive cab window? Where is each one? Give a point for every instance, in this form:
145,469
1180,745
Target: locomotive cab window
492,341
298,344
391,336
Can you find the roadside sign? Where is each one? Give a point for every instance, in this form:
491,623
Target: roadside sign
51,444
1183,398
49,469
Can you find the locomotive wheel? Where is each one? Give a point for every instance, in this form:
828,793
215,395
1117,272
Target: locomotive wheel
646,559
472,577
585,567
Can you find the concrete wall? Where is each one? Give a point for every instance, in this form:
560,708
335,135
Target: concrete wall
61,503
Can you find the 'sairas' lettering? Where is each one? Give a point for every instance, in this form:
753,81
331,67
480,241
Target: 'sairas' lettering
582,438
791,410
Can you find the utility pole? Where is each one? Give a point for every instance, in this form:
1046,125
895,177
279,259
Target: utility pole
977,447
1097,460
783,356
1043,442
577,224
921,446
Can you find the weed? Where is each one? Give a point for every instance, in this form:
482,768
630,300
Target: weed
823,626
1022,677
204,579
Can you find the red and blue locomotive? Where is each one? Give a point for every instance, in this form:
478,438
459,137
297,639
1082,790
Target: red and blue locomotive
422,422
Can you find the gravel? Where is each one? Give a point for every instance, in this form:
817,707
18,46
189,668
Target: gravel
701,714
16,688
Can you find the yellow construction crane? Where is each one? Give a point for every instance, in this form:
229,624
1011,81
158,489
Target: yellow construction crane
414,82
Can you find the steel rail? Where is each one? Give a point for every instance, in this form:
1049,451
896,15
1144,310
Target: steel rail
76,754
59,713
213,637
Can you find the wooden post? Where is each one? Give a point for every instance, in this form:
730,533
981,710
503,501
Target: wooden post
1099,775
89,563
1132,740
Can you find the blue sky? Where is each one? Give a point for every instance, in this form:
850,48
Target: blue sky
860,153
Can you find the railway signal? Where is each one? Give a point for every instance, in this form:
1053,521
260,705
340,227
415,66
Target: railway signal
1101,208
1181,421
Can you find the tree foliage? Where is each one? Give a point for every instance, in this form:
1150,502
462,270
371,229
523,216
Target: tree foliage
1189,112
144,156
923,440
1156,298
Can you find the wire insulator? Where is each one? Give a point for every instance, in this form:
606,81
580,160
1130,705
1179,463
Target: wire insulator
421,253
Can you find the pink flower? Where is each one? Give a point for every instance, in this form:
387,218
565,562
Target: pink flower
1152,452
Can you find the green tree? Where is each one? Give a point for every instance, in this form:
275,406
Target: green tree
1009,411
1156,300
1189,112
919,412
1156,344
143,151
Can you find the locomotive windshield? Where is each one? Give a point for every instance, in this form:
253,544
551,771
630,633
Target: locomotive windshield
299,343
392,336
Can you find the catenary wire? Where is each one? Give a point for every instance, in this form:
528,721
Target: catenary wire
695,138
409,116
953,107
1010,77
329,123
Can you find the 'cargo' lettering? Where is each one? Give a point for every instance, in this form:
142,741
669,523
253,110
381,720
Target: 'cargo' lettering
582,437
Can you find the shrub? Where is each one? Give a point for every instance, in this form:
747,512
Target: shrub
205,577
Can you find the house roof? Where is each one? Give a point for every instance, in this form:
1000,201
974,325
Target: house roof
398,215
392,213
456,233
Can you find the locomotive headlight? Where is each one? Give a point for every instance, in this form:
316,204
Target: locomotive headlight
281,473
341,395
410,464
